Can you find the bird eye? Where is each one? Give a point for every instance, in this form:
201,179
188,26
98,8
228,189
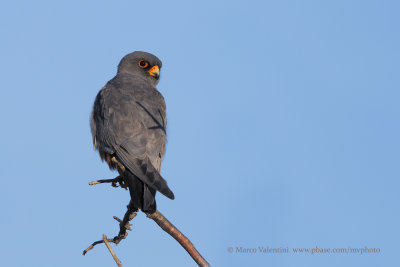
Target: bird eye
143,64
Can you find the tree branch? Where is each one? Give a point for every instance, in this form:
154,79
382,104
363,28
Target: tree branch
124,225
113,182
168,227
111,251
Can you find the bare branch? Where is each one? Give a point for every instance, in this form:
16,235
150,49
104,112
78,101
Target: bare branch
113,182
94,244
123,226
156,216
111,251
168,227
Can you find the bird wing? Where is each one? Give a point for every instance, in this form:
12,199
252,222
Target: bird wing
103,138
132,125
144,170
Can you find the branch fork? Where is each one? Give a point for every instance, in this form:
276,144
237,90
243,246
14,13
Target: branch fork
131,213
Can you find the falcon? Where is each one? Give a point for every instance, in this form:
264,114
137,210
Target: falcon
128,125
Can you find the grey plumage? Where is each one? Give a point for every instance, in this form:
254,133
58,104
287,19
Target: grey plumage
128,126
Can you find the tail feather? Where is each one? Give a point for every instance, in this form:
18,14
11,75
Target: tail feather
145,171
142,196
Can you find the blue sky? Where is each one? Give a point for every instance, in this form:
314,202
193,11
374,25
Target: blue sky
283,130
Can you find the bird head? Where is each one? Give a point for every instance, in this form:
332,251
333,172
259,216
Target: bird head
142,64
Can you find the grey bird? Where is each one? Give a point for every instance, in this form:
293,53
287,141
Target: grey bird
128,125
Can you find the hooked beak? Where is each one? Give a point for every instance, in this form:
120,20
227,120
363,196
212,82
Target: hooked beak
155,72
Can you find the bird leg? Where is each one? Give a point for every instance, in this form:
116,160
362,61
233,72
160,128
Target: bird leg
113,182
123,226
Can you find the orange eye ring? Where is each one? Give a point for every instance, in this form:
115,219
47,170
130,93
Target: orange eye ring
143,64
